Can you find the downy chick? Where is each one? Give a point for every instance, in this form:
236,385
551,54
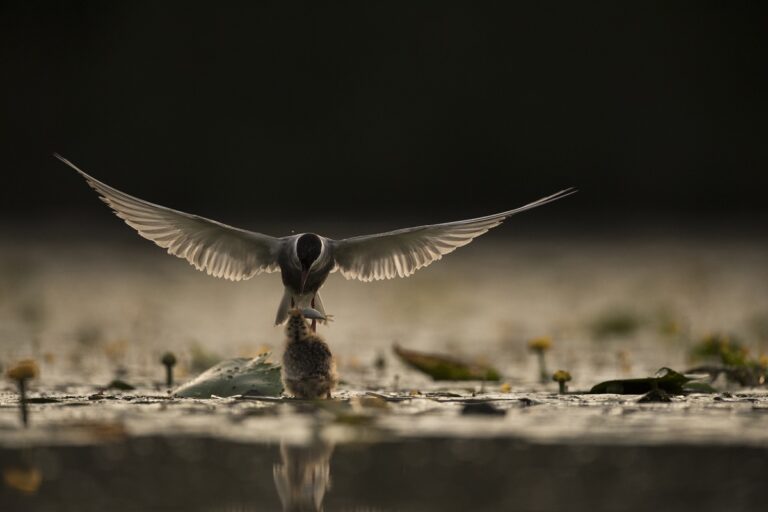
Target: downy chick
309,371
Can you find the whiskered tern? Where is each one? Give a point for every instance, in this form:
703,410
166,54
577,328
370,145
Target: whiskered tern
304,260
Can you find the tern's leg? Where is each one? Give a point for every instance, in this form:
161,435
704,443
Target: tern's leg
314,321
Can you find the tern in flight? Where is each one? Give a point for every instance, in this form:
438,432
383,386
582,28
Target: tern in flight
304,260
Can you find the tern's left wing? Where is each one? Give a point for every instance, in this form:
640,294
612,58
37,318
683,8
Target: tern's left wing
403,252
218,249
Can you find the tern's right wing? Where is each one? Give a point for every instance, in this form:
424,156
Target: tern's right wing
218,249
401,253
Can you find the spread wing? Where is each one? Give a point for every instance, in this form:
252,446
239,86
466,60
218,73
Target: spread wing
403,252
217,249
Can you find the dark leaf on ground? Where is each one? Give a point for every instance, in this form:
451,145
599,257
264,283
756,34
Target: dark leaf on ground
441,367
482,408
665,379
43,400
120,385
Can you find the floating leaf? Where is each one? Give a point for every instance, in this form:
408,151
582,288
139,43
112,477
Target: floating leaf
482,408
665,379
43,400
441,367
235,377
120,385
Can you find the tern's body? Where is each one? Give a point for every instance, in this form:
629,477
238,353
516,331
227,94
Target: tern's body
304,260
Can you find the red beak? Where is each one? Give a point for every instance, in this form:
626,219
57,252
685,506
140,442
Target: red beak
304,276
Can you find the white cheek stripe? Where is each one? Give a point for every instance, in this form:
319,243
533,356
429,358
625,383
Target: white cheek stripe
295,252
320,257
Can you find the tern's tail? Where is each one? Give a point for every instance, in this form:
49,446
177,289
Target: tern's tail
284,307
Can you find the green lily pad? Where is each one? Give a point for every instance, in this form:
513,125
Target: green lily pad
665,379
235,377
441,367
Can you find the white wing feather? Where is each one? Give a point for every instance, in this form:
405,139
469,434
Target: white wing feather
401,253
219,250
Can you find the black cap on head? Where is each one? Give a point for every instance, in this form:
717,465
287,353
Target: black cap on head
308,249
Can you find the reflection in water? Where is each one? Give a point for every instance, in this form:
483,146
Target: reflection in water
25,480
204,474
304,475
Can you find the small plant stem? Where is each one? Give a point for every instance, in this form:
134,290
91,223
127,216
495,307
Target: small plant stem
168,375
23,401
543,375
562,387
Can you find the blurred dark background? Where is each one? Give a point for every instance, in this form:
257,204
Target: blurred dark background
427,111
